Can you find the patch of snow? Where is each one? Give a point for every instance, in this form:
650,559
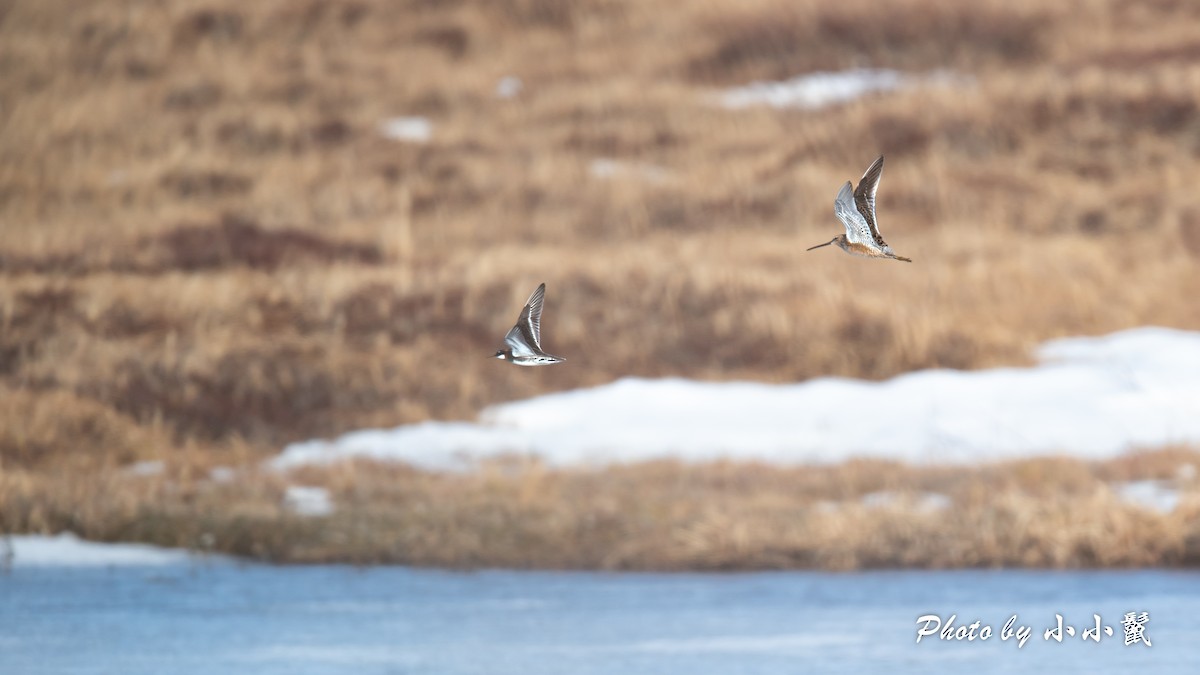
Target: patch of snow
412,129
826,506
1152,495
430,444
816,90
222,474
1090,397
149,468
308,501
1185,473
509,86
606,168
924,501
68,550
933,501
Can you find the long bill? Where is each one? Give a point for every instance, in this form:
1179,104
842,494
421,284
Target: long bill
820,245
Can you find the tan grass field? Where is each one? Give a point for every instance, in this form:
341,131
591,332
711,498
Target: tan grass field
208,249
648,516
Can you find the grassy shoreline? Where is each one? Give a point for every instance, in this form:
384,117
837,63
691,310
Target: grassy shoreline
661,516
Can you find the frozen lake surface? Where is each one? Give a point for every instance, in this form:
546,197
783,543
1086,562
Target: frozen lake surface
225,617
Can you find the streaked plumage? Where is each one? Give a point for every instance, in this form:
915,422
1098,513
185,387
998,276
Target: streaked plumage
523,344
856,209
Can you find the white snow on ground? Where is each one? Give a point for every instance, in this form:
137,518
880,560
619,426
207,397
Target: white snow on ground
413,129
922,501
308,501
816,90
68,550
1091,397
1152,495
509,86
605,168
147,468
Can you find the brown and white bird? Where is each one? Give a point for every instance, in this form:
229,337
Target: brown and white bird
856,209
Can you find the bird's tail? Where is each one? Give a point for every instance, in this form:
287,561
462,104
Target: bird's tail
900,257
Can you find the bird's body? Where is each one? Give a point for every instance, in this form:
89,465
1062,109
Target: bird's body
523,344
855,207
855,248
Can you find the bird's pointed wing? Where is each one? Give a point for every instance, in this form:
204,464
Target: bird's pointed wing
530,322
864,198
518,344
524,339
857,228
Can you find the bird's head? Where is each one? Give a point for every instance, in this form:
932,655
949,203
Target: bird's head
501,354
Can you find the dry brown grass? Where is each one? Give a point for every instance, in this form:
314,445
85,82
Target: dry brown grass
649,516
207,247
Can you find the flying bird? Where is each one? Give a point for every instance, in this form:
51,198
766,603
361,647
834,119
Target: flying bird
856,209
523,344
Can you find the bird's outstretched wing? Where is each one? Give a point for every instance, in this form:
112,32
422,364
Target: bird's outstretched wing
525,338
531,316
518,344
857,229
864,199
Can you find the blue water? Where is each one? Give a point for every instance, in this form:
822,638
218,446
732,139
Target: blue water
231,618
